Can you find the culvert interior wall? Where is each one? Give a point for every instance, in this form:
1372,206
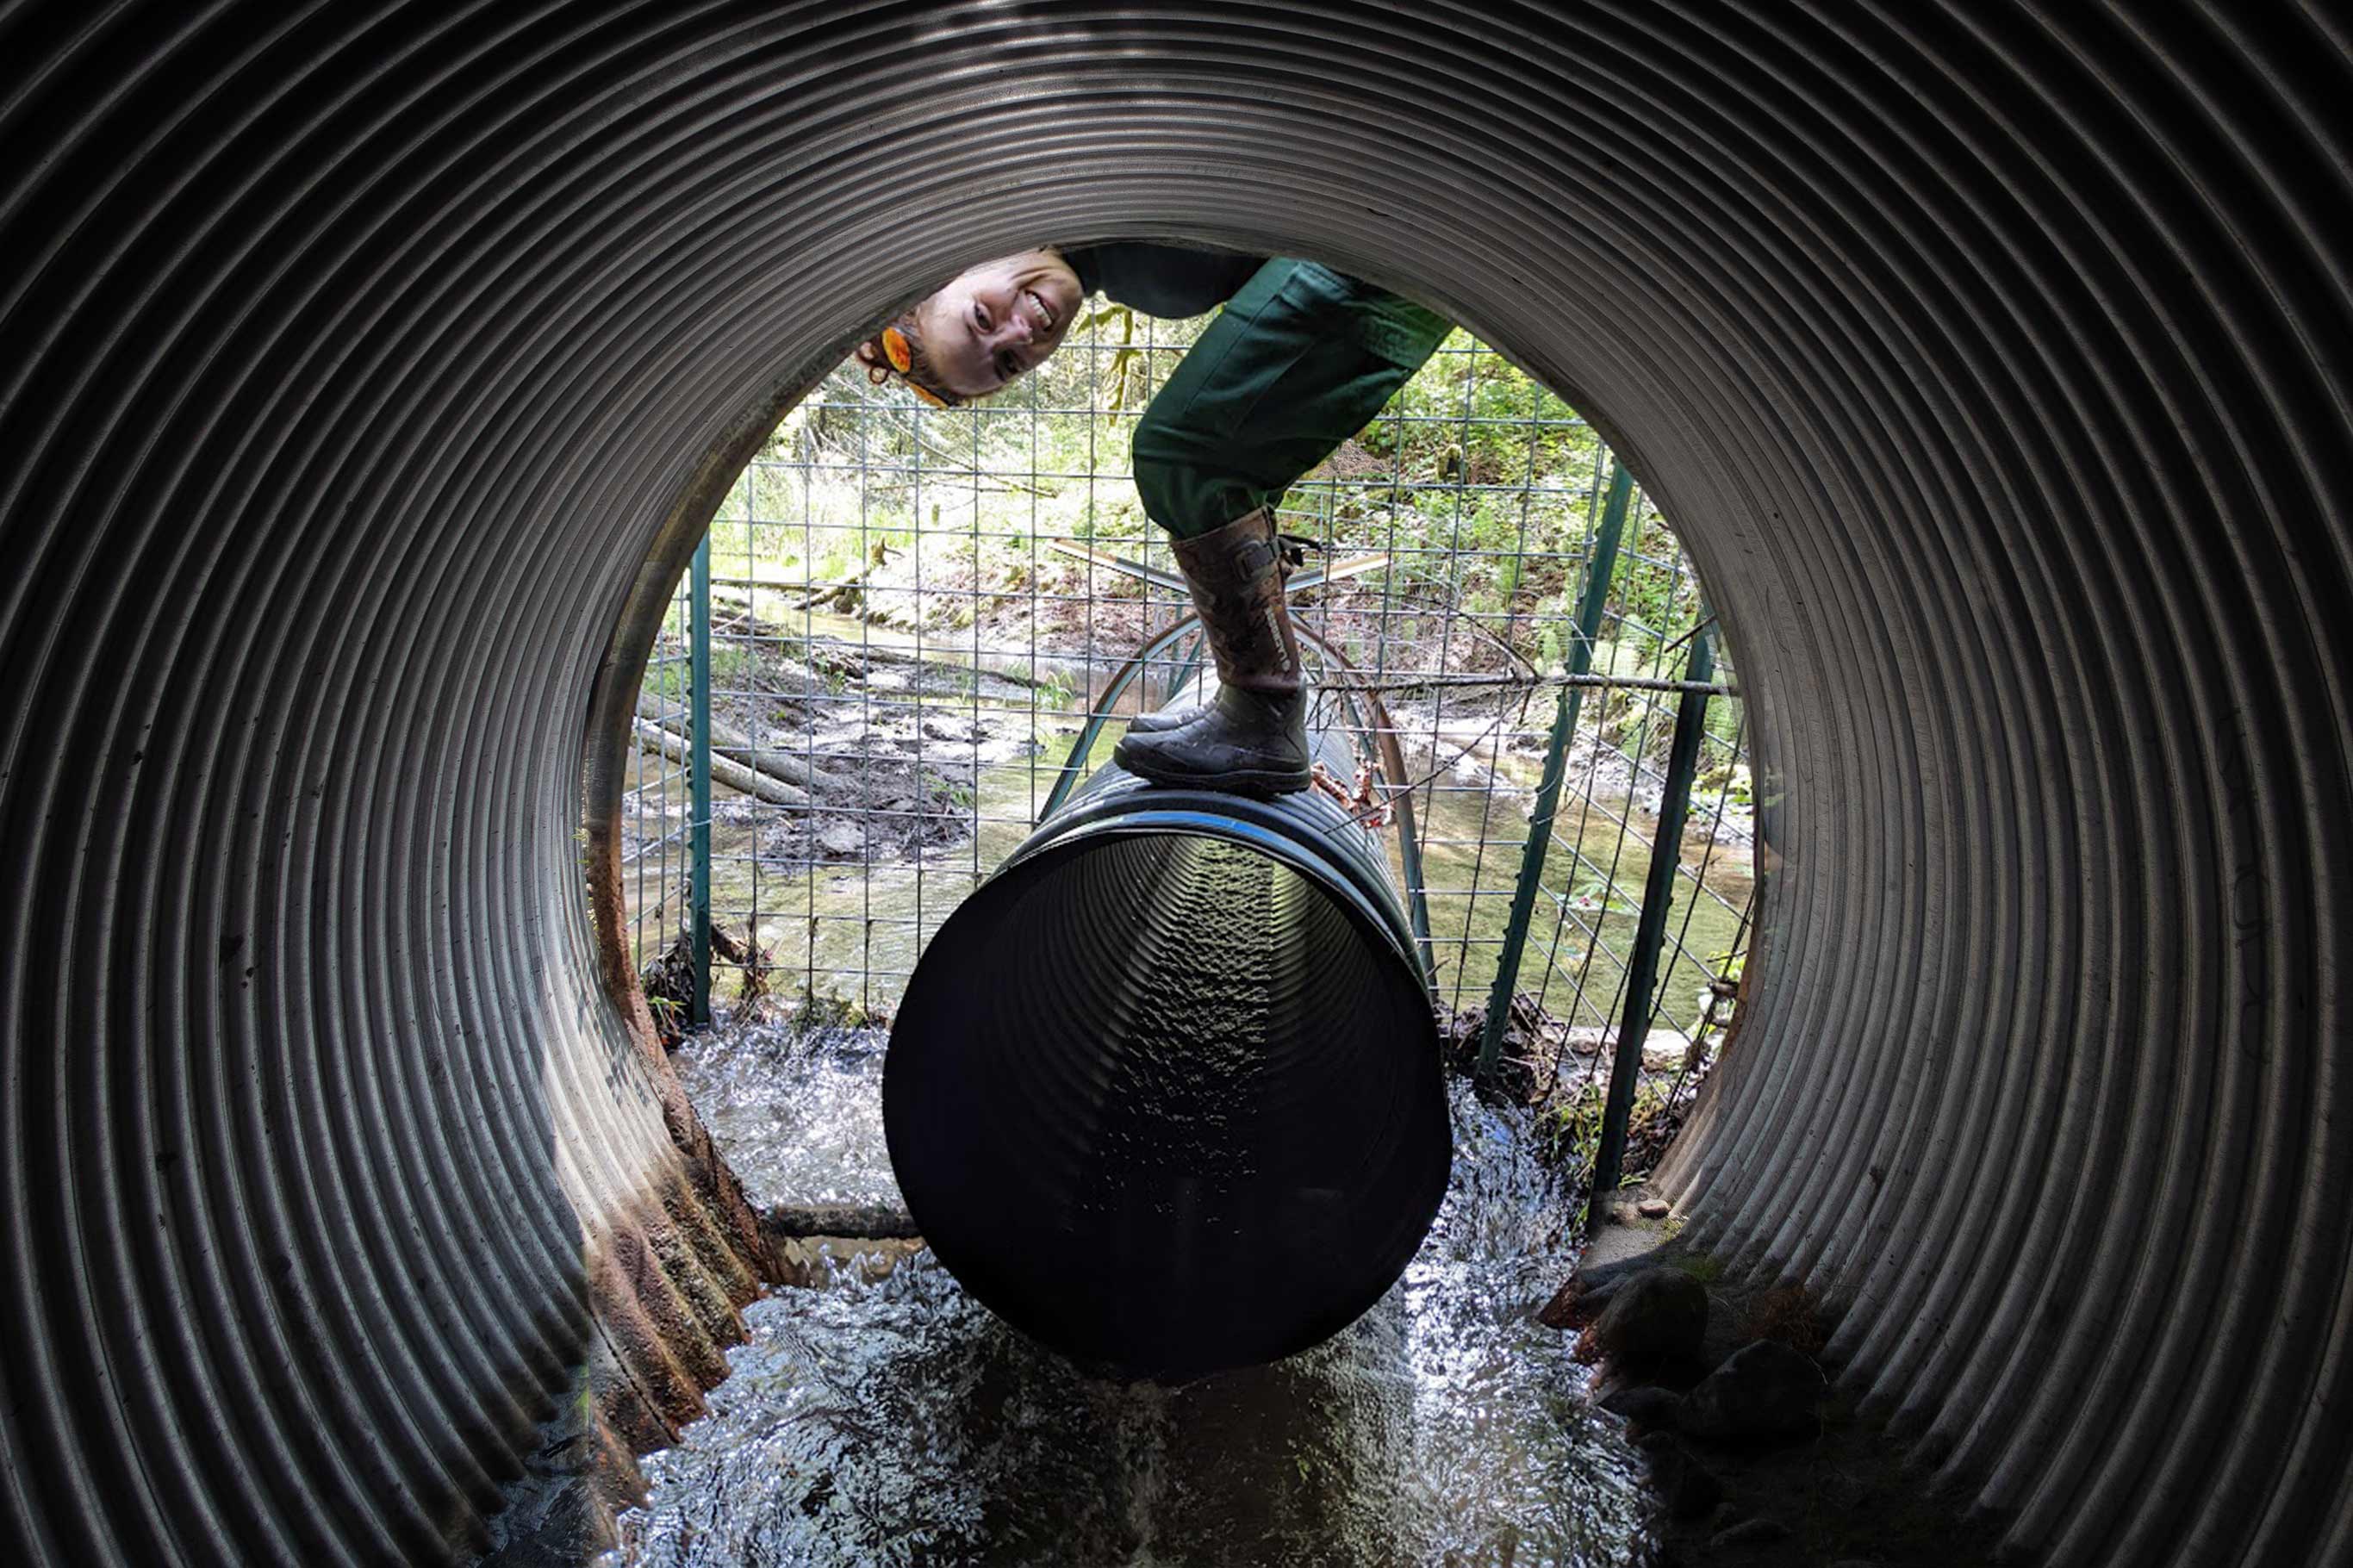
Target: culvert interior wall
1989,356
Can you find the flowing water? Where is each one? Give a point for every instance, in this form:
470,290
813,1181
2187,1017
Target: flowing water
798,1110
897,1422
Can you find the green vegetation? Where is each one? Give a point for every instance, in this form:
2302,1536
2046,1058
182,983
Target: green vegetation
870,519
1580,941
731,667
1481,483
1705,1267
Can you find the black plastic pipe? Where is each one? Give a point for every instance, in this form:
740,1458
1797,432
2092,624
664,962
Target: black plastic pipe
1165,1093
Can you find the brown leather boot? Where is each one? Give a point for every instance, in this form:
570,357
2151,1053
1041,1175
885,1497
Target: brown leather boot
1252,737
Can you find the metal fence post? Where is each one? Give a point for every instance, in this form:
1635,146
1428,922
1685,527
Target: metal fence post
699,781
1650,934
1604,565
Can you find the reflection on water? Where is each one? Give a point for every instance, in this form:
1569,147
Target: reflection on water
898,1422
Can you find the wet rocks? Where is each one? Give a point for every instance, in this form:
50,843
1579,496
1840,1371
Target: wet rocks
1759,1463
560,1512
1646,1407
1762,1392
840,839
1658,1318
558,1525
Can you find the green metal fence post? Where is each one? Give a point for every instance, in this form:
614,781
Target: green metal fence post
699,781
1604,565
1650,934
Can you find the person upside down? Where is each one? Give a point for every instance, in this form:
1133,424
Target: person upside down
1301,359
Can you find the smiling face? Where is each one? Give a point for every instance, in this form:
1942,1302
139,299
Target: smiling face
996,320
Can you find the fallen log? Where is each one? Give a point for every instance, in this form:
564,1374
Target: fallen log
732,745
756,784
863,1222
880,653
840,657
735,748
845,591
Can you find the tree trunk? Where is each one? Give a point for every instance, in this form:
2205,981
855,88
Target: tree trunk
757,784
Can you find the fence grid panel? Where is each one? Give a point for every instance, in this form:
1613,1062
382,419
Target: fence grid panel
914,611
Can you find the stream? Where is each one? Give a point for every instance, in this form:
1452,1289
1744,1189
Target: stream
895,1421
942,759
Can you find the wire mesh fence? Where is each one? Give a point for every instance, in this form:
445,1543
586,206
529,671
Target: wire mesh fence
918,615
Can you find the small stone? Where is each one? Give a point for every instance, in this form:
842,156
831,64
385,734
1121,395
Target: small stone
1659,1316
1646,1406
1762,1391
1749,1532
1654,1208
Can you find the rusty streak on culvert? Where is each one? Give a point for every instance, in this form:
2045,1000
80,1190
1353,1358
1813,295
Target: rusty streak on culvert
1989,358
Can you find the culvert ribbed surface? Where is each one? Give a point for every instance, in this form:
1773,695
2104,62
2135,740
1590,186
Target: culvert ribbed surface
1990,358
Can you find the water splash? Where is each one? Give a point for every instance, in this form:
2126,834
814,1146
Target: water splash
898,1422
798,1112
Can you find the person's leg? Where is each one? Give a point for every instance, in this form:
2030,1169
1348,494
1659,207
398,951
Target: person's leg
1302,359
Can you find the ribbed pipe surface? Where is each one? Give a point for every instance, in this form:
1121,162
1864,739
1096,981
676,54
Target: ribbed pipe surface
1165,1091
1990,357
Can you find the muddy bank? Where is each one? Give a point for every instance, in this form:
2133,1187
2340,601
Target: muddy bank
861,750
887,731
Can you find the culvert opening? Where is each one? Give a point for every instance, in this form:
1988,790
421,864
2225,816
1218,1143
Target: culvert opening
927,628
1164,1088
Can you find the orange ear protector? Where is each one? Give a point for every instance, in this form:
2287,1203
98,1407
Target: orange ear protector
899,356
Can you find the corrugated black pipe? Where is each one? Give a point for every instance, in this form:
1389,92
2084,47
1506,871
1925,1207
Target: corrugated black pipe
1165,1092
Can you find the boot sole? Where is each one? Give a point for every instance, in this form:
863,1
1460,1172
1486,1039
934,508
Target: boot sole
1259,784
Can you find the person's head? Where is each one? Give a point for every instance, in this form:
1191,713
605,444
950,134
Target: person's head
991,323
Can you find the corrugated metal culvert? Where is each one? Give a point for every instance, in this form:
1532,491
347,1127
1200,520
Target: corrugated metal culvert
1990,358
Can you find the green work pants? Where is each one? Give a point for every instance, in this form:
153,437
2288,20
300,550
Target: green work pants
1301,358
